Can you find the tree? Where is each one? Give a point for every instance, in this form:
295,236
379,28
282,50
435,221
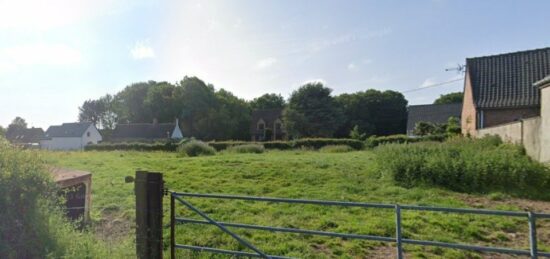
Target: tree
268,101
373,112
449,98
197,103
15,126
91,111
356,134
129,103
312,112
2,131
231,119
160,102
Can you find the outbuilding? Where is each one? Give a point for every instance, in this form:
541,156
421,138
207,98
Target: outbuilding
71,136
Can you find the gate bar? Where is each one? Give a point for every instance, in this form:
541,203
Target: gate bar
224,229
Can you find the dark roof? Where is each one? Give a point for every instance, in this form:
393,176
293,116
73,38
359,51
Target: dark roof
68,130
143,131
32,135
434,113
269,116
506,80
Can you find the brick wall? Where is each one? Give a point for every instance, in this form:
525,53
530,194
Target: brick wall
468,118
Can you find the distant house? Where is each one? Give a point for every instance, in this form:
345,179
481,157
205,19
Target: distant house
434,113
499,89
71,136
30,137
267,125
147,131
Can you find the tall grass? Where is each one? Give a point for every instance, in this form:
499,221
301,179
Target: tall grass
247,148
467,165
196,148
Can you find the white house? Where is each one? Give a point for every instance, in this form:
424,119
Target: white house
71,136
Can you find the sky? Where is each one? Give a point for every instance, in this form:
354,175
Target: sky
56,54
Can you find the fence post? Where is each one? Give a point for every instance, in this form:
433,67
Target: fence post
533,235
172,227
149,191
398,231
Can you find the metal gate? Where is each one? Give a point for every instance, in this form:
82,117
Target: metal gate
180,198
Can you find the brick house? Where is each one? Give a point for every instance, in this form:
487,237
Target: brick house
499,89
267,125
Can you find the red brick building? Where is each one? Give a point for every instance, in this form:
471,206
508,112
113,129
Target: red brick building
499,89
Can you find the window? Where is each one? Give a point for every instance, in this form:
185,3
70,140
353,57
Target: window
88,134
261,126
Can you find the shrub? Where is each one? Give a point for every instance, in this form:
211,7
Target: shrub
336,149
467,165
168,146
317,143
374,141
196,148
32,224
248,148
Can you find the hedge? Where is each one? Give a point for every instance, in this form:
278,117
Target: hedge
314,143
169,147
375,141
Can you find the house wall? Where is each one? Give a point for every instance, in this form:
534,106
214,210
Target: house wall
494,117
468,118
62,144
509,132
526,132
94,137
545,124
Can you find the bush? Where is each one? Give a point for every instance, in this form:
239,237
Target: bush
467,165
374,141
32,224
336,149
196,148
248,148
136,146
317,143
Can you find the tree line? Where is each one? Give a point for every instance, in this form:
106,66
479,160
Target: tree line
217,114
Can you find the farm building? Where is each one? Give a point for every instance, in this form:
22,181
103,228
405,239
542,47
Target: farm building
433,113
267,125
147,131
71,136
499,89
30,137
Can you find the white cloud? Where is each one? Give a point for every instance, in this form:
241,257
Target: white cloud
265,63
142,50
428,82
352,66
39,54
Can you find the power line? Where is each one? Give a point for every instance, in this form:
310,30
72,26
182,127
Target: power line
431,86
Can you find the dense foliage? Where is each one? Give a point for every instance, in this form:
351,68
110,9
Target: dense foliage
336,149
374,141
449,98
452,127
307,143
137,146
196,148
312,112
247,148
373,113
467,165
268,101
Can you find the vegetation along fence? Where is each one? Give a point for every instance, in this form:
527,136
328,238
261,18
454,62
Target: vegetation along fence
180,198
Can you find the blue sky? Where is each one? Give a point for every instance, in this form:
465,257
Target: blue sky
56,54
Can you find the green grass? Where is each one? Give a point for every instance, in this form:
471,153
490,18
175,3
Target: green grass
351,176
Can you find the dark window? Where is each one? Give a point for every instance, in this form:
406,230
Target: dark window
261,126
88,134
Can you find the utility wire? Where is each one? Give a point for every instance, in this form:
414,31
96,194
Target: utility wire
431,86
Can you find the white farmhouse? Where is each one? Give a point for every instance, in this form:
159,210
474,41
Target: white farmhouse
71,136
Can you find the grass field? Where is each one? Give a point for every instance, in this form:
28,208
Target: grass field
352,176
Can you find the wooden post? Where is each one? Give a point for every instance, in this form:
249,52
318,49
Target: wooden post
149,192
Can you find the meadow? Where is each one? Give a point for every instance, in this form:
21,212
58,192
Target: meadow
305,174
